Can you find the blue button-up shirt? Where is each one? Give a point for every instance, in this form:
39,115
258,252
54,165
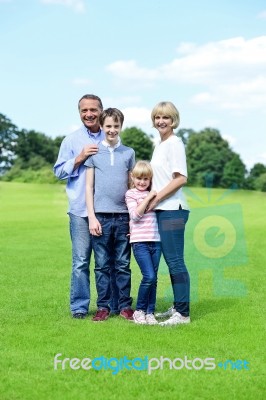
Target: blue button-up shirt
70,148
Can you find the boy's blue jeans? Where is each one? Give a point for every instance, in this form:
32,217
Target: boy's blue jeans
147,255
112,247
172,231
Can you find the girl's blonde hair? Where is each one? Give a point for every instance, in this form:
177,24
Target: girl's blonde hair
142,169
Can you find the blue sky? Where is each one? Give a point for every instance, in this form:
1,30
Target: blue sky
208,57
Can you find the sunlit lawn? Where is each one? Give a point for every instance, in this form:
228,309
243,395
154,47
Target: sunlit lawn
227,315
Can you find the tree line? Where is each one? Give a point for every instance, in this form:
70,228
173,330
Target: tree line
28,156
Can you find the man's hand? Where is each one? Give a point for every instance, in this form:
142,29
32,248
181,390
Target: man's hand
87,151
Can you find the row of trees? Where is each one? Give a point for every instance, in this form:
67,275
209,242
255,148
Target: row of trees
28,156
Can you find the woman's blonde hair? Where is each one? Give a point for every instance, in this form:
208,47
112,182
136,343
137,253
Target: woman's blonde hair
166,108
142,169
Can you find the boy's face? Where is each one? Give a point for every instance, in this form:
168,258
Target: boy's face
112,130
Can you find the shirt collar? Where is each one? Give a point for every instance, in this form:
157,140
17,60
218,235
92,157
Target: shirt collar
94,134
112,147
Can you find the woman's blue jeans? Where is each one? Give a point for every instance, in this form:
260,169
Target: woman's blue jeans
172,231
147,255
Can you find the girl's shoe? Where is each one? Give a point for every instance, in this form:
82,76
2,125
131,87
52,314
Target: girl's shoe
150,319
139,317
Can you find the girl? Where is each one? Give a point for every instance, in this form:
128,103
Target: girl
145,240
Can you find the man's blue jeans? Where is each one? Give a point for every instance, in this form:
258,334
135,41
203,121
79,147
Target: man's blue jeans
112,246
147,255
81,255
172,231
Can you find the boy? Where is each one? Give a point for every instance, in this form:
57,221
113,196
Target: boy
107,178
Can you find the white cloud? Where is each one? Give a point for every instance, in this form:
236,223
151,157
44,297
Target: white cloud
262,14
232,72
203,98
129,70
236,97
122,101
210,122
230,139
77,5
262,158
186,47
137,115
225,61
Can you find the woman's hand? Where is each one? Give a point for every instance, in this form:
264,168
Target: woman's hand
153,203
152,194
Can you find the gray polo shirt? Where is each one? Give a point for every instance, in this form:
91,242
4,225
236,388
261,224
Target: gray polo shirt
111,172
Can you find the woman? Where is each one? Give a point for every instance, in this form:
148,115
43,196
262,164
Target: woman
169,176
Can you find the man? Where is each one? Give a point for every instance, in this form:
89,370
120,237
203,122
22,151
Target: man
74,151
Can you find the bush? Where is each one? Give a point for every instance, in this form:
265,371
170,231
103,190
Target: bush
43,175
260,183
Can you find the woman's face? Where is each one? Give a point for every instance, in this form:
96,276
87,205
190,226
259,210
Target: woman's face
163,124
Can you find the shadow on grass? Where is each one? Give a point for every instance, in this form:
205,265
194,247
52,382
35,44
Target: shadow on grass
203,307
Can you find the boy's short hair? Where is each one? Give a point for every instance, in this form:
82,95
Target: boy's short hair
166,108
116,114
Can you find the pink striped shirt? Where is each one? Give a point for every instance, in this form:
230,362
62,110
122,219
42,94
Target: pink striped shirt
143,228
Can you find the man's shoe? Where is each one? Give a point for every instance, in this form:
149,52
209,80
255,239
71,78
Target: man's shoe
79,316
166,314
176,319
139,317
127,313
150,319
101,315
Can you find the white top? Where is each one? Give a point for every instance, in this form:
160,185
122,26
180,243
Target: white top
143,228
169,157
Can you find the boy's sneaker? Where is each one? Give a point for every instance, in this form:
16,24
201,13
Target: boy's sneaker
127,313
150,319
176,319
166,314
101,315
139,317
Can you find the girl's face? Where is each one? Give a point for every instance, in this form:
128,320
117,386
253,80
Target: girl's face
141,183
163,124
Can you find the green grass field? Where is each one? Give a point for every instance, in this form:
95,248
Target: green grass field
228,298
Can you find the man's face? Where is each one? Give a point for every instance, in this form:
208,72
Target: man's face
89,111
